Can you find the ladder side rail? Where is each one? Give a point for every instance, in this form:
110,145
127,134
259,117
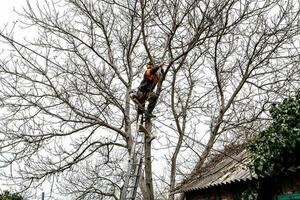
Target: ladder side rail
136,172
133,155
137,178
129,168
138,169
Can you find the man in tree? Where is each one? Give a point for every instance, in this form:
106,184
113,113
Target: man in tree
145,90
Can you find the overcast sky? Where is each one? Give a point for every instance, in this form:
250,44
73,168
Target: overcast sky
7,7
8,15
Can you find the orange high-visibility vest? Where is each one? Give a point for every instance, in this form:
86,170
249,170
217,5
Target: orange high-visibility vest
154,77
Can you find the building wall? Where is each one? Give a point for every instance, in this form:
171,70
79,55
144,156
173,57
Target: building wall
269,188
218,193
284,184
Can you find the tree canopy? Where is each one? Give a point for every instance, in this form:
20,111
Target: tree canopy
67,119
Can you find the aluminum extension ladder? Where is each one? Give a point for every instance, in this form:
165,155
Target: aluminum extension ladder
135,164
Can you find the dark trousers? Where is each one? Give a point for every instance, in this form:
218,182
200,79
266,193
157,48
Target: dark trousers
142,97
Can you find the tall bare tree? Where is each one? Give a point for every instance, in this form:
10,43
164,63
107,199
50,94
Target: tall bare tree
227,82
64,94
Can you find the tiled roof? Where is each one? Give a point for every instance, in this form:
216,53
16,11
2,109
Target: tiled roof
229,169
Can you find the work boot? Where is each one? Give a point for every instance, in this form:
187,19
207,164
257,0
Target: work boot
152,95
152,137
133,94
148,116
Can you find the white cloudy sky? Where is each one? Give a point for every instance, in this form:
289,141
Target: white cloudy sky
7,10
9,16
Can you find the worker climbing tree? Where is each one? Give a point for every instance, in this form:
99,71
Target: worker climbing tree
142,94
66,105
145,91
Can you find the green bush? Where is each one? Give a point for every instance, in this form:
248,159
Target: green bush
275,149
8,196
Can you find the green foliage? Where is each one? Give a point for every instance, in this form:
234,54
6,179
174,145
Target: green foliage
276,147
249,194
8,196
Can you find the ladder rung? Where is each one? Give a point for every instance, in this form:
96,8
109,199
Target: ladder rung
140,153
137,164
142,142
134,175
132,186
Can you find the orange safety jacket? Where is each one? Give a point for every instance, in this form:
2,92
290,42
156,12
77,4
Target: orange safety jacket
150,79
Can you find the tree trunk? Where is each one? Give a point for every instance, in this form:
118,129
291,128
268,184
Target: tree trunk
148,163
173,166
144,188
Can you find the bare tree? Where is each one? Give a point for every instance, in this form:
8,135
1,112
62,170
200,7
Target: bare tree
65,99
228,81
64,94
